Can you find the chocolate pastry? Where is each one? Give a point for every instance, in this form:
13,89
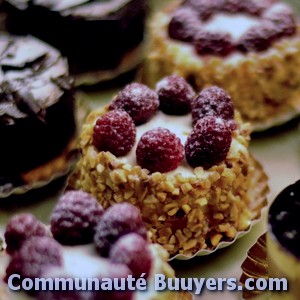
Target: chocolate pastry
36,106
93,35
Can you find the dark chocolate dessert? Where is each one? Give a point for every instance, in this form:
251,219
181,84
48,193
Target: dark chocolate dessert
283,238
36,106
93,34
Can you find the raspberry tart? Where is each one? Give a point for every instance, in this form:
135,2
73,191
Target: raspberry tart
101,39
84,241
192,183
249,48
37,125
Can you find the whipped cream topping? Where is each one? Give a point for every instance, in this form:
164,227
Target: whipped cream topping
237,25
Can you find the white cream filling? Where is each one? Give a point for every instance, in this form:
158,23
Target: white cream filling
236,25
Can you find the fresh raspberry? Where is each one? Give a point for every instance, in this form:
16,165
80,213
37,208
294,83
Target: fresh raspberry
284,19
232,6
175,95
213,101
209,143
35,256
213,43
114,271
140,102
75,217
118,220
184,25
115,132
159,150
20,228
255,7
133,251
258,38
204,8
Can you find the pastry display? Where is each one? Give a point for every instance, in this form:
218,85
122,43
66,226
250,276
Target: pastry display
37,126
249,48
192,184
66,250
101,39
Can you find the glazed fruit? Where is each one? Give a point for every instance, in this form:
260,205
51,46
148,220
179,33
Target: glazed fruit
213,43
209,143
20,228
159,150
117,221
184,25
133,251
35,256
140,102
258,38
115,132
75,217
175,95
213,101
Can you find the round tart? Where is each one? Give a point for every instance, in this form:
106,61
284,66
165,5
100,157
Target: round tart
37,125
192,184
77,219
101,39
250,49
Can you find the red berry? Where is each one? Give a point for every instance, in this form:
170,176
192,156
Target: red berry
115,132
20,228
140,102
232,6
75,217
213,43
283,18
258,38
117,221
255,7
115,271
175,95
133,251
35,256
204,8
159,150
213,101
184,25
209,143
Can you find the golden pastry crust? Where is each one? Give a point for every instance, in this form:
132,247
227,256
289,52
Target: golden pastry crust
262,85
183,214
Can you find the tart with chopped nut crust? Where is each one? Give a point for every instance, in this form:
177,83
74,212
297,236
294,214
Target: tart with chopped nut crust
255,60
186,208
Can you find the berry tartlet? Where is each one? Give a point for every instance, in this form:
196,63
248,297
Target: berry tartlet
250,48
192,183
84,241
101,39
37,125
